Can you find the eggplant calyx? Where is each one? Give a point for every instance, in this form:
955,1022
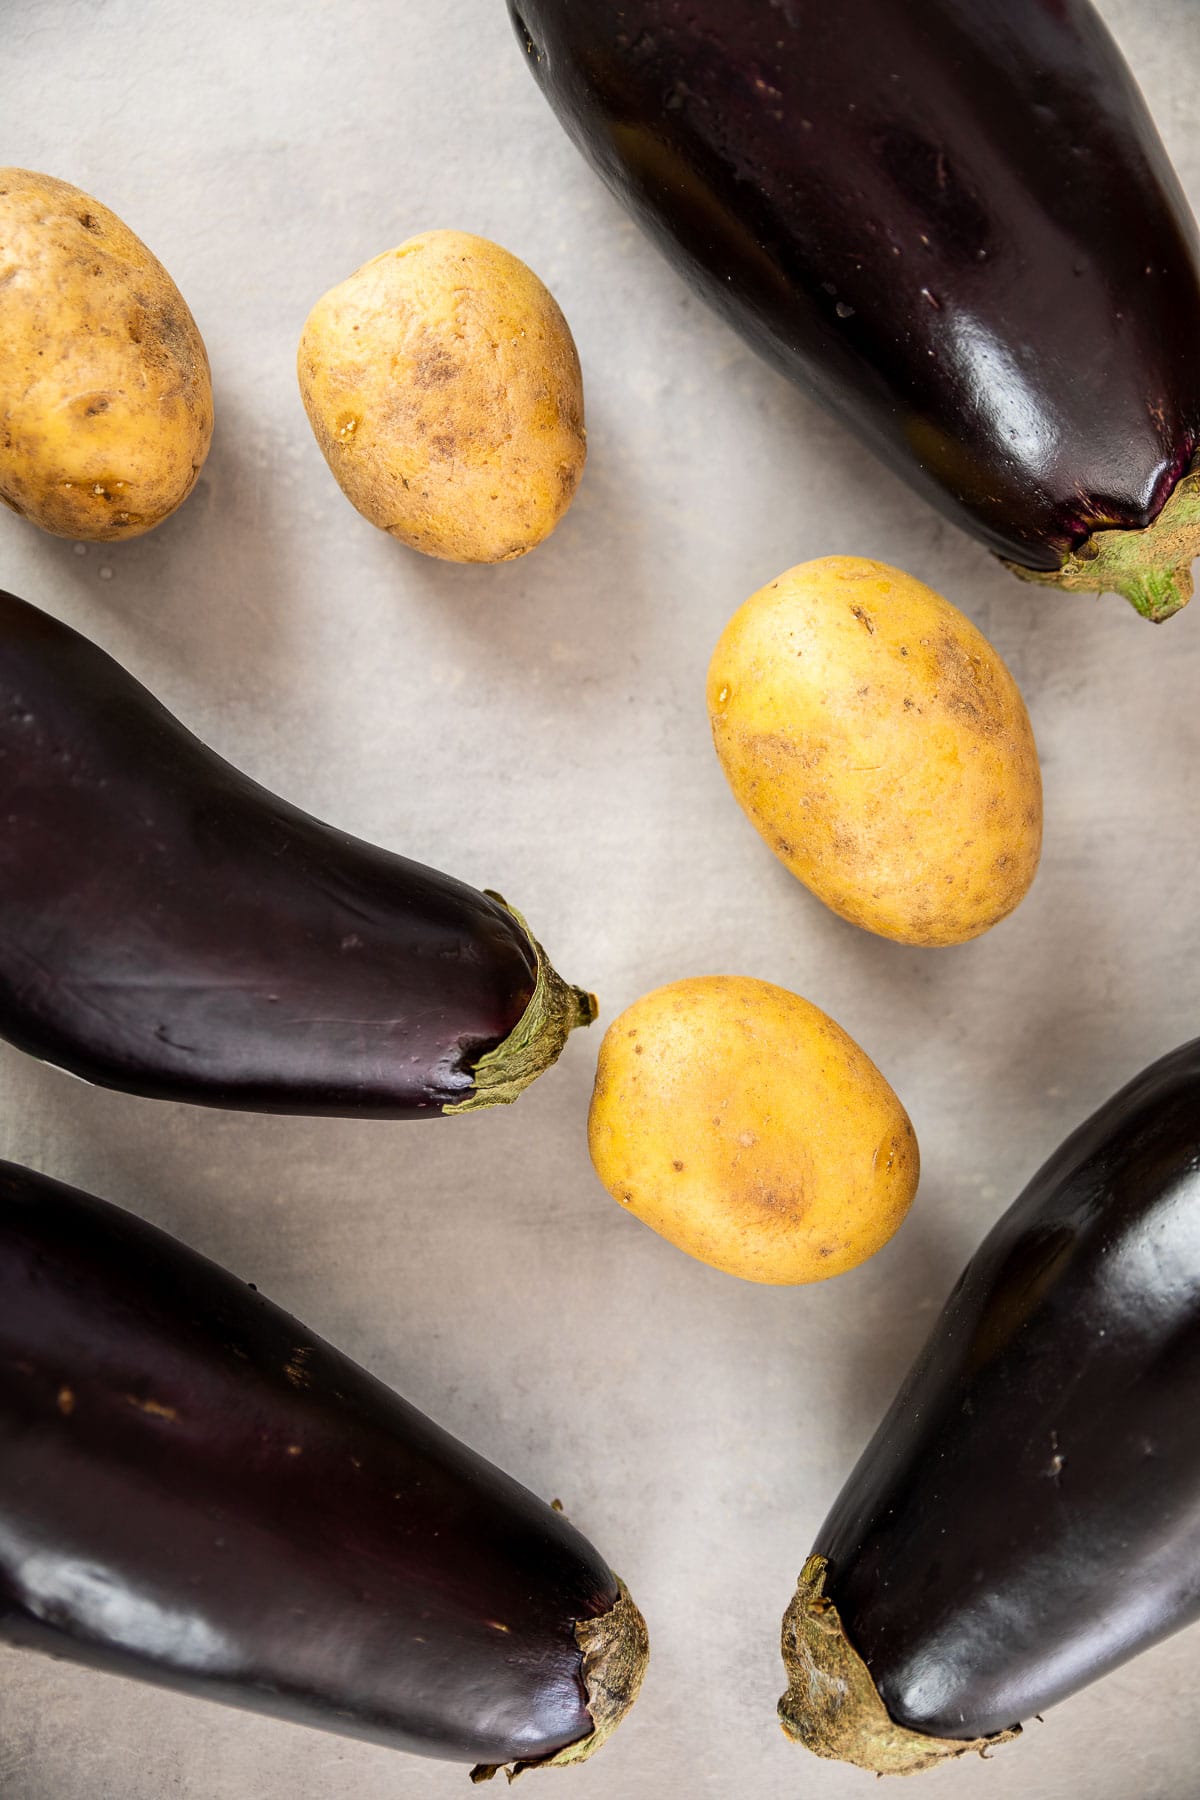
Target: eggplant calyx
833,1707
555,1008
1151,567
616,1648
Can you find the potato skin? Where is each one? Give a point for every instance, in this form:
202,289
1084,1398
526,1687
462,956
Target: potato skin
444,388
105,391
881,747
741,1123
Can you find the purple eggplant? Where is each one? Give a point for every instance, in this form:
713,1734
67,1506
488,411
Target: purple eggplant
196,1491
1027,1516
167,927
954,224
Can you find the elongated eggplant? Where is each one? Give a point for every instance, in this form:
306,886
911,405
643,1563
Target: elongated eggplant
1027,1516
952,223
169,928
196,1491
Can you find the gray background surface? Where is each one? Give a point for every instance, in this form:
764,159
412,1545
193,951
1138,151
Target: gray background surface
541,727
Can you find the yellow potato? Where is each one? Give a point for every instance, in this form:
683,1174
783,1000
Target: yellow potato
105,394
881,747
738,1121
443,386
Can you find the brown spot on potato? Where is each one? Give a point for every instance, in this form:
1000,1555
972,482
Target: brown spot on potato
434,366
677,1166
787,1206
965,687
773,748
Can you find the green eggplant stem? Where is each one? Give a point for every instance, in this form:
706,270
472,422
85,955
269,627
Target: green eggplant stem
1151,567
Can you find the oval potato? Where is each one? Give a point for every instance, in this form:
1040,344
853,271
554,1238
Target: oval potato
444,389
741,1123
105,392
881,747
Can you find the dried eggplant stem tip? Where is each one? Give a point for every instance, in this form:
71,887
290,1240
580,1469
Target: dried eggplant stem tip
833,1707
616,1648
536,1040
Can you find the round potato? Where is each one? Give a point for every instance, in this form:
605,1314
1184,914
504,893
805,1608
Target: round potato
444,389
740,1122
105,393
881,747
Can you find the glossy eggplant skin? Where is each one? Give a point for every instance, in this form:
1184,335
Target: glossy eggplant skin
1027,1516
170,928
196,1491
952,222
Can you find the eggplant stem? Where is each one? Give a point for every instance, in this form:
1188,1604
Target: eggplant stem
616,1648
536,1040
1151,567
832,1705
